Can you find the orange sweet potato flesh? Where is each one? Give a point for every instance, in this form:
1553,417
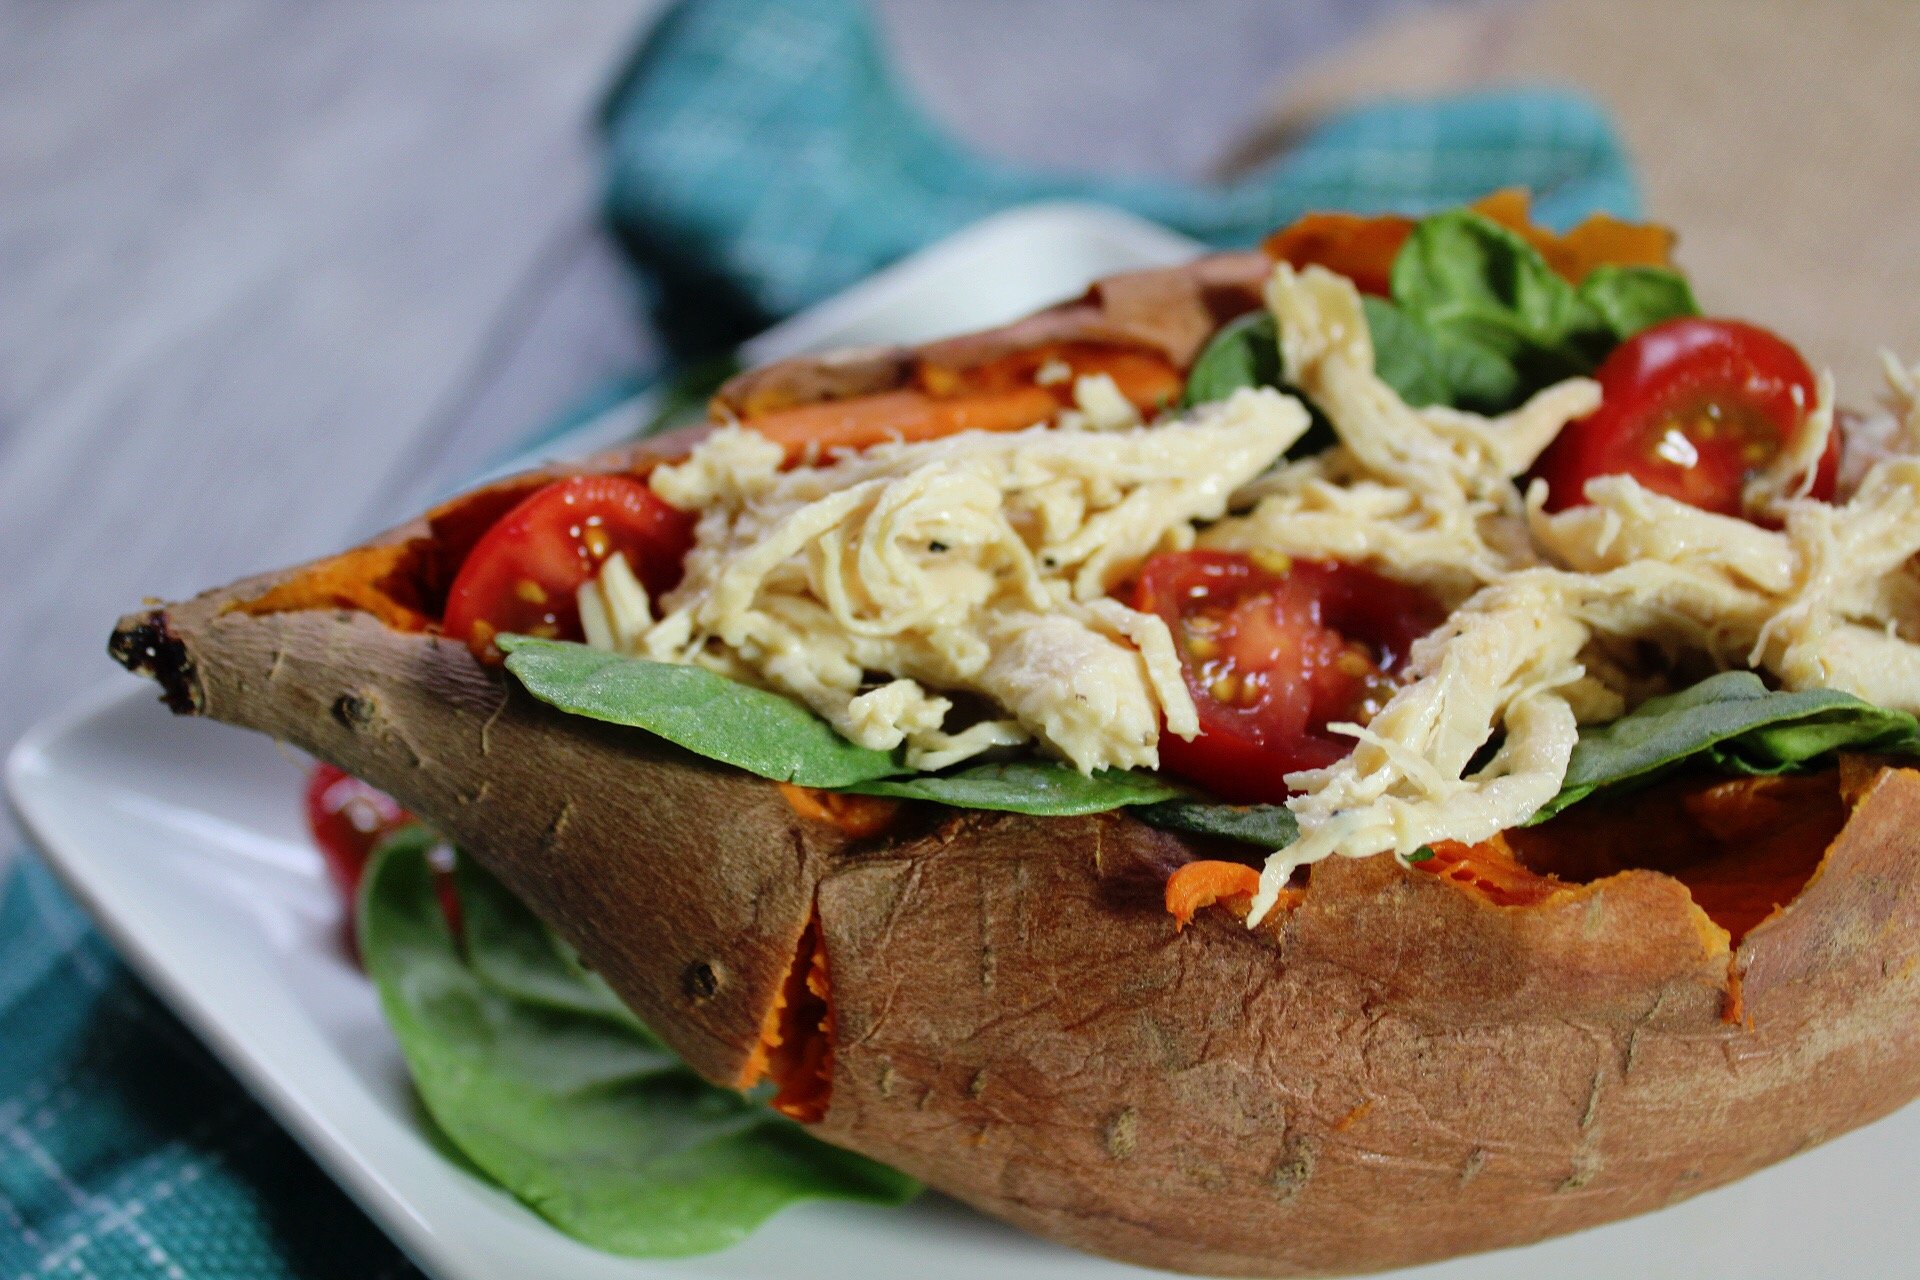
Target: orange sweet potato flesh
1227,885
795,1048
1144,328
850,814
1362,247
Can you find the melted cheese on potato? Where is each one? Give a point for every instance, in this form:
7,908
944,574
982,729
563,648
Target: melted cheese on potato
876,586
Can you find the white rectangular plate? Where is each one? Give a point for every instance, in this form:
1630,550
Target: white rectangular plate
184,838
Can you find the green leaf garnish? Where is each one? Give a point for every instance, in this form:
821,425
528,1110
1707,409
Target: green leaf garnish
777,738
1629,299
1735,723
708,714
1270,826
683,397
1480,321
1429,365
575,1110
1244,352
1039,787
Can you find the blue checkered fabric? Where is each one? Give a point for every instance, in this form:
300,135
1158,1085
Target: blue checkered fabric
125,1149
760,158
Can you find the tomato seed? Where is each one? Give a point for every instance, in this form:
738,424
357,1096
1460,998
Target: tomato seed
1277,563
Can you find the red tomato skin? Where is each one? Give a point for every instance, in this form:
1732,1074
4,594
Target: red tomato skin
1297,626
1676,373
348,819
523,572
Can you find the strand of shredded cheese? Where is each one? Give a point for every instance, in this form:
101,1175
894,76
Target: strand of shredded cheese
979,564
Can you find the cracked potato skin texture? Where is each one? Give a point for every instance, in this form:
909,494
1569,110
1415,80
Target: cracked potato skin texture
1401,1072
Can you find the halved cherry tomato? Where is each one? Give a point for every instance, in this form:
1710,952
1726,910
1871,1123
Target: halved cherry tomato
1690,408
523,573
348,819
1273,651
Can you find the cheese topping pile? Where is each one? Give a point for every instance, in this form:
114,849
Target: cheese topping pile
879,584
1540,646
878,587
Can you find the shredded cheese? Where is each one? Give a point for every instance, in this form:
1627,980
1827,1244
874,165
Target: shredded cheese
881,587
1532,652
1423,495
877,586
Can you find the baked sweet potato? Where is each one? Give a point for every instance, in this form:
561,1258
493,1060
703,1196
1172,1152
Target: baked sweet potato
1406,1063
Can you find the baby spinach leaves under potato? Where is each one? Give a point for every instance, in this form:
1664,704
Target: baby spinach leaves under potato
541,1078
1733,723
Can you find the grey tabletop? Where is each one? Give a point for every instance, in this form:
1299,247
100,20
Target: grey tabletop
271,274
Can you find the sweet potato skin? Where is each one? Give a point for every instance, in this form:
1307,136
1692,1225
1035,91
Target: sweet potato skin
1407,1073
1402,1072
601,832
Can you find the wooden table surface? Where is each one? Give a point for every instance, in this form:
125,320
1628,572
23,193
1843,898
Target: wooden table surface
272,274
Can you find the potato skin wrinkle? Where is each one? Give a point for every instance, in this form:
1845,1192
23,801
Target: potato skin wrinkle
1397,1071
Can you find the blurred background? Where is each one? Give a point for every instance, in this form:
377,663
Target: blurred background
272,275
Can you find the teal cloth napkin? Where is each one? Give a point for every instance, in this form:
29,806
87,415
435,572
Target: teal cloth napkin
760,158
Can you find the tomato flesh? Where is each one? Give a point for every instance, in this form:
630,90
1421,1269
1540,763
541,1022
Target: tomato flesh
522,574
1692,409
1274,650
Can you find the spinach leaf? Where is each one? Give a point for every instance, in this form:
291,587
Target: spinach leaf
520,959
1039,787
582,1116
1245,352
1428,366
683,397
1734,722
708,714
1480,321
1270,826
1629,299
1462,272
